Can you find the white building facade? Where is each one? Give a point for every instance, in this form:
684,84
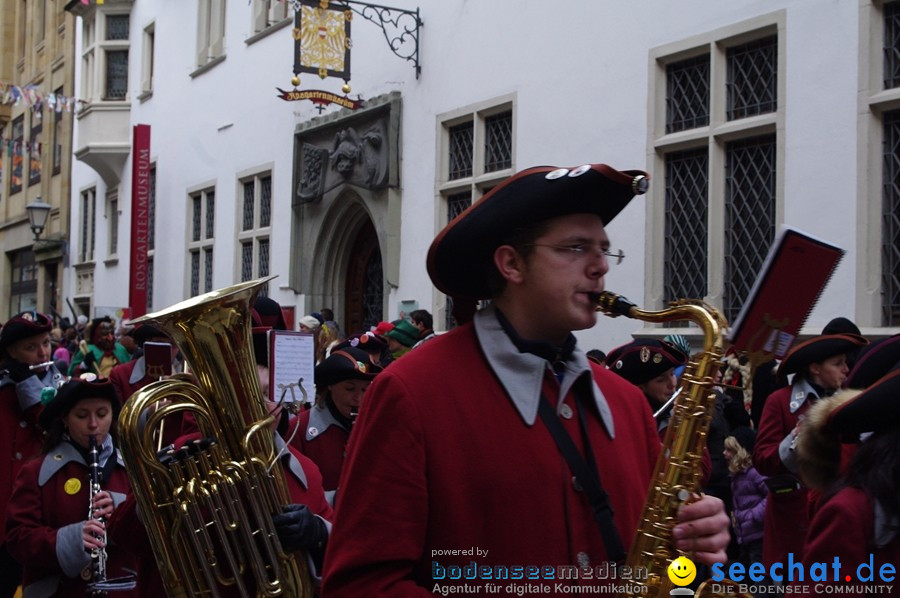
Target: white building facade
747,116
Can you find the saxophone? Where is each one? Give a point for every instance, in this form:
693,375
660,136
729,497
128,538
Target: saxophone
208,508
676,477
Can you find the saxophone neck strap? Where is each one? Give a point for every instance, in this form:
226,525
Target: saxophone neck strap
586,474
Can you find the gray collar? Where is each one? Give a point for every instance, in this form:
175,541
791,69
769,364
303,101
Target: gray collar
139,371
65,453
28,392
293,464
522,374
800,390
885,528
320,418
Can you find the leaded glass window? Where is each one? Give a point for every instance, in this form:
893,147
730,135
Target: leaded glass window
256,219
195,219
265,201
116,74
687,224
249,201
203,206
749,215
195,273
246,261
687,94
208,269
751,85
210,213
890,221
457,203
117,27
891,45
498,141
460,151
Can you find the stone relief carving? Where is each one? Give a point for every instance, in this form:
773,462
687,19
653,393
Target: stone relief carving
356,155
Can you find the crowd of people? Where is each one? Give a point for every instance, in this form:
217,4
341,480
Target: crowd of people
499,443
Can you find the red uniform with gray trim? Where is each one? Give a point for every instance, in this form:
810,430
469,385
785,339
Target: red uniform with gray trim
442,461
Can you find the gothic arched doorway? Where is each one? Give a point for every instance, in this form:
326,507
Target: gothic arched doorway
364,294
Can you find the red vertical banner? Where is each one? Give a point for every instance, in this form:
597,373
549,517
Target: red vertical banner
140,220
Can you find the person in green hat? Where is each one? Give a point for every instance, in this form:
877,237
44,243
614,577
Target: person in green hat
401,338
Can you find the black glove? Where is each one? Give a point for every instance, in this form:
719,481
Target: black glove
17,371
299,529
88,362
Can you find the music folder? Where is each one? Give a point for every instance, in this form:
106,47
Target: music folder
793,276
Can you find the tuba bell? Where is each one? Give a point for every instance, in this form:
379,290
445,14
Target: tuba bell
208,510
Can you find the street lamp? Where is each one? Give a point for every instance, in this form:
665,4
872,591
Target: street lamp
38,211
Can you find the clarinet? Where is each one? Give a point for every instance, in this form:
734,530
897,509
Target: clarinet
98,555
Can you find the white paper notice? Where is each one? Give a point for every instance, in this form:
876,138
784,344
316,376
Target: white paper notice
291,364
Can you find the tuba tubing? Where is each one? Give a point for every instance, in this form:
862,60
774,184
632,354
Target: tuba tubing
208,512
676,477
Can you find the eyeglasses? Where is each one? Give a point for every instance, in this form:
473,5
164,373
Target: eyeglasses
578,251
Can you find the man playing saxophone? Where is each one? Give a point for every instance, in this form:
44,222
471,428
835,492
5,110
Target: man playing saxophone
465,481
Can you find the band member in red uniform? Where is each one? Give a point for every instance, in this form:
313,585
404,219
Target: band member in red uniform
24,343
49,529
321,433
450,461
128,378
857,519
131,376
820,368
650,364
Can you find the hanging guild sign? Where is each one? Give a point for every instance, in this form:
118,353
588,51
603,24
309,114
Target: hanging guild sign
322,39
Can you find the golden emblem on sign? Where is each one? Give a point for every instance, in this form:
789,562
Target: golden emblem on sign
323,40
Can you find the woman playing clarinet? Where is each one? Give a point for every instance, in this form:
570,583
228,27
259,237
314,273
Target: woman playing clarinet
55,525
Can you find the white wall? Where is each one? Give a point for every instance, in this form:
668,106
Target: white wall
579,70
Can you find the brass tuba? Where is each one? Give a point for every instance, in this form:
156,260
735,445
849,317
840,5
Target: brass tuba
208,511
677,474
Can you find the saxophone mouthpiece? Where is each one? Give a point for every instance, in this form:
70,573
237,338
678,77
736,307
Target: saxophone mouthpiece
611,304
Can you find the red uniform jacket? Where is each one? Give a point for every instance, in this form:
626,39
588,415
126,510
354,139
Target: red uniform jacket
845,527
127,380
304,484
786,510
319,436
50,501
20,438
121,378
447,473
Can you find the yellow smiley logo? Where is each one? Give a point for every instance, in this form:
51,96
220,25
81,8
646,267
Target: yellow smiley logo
682,571
72,486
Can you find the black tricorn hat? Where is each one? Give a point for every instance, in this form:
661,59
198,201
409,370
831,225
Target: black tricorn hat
349,363
73,391
22,326
644,359
145,332
817,349
367,341
874,409
459,256
874,361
